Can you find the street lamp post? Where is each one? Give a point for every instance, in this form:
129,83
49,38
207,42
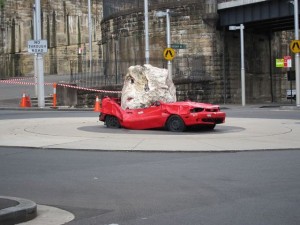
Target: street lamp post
147,54
90,33
243,86
35,55
297,59
168,31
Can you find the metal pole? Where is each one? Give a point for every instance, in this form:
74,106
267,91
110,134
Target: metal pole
147,54
169,41
242,66
40,61
297,60
90,33
35,55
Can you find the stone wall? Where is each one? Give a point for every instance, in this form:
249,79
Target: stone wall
64,26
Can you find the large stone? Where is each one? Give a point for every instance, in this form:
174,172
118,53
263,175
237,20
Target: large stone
146,84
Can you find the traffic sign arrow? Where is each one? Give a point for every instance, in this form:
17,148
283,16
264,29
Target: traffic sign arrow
169,53
295,46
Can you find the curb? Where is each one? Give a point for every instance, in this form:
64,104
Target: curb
26,210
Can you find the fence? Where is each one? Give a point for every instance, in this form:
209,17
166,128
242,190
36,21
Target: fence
108,73
99,73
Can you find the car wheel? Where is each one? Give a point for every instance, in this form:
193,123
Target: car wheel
175,124
112,122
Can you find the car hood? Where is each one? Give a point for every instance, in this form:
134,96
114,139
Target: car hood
192,104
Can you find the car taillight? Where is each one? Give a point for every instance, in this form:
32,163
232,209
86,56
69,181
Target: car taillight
195,110
212,110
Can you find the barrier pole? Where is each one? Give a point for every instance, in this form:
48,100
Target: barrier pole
54,95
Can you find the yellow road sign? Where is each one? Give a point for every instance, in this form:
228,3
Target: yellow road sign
169,53
295,46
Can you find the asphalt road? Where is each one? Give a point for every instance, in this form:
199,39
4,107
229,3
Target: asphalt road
136,188
260,188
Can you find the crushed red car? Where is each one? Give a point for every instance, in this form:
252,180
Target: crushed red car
175,116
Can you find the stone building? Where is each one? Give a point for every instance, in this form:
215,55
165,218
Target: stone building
207,68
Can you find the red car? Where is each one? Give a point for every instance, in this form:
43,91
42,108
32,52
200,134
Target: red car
172,116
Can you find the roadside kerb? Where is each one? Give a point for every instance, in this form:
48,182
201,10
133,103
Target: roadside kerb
25,210
87,133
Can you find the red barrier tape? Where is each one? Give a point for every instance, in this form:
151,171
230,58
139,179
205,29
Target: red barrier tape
17,81
88,89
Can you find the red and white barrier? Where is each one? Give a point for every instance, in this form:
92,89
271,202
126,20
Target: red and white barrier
20,82
54,95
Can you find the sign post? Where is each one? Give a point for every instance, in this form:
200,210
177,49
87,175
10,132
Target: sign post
168,31
243,82
297,56
40,60
288,64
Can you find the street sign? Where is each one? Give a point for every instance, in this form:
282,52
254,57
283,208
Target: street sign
280,63
287,61
37,46
169,53
178,46
295,46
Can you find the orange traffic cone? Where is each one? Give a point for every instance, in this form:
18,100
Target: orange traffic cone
97,107
25,101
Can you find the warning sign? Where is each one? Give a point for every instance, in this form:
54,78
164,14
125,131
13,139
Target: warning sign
295,46
169,53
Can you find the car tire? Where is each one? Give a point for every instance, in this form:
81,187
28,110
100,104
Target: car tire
112,122
175,124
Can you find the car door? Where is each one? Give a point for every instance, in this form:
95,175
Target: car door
144,118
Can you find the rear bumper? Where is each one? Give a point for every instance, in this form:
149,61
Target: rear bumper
205,118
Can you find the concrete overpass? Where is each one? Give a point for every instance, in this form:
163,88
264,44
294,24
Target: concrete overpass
262,16
259,15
